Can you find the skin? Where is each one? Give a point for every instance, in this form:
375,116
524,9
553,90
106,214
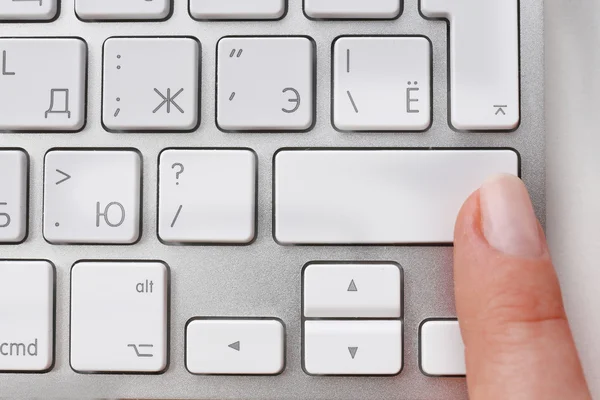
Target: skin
517,337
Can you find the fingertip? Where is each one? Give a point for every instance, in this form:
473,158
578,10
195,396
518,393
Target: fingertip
508,300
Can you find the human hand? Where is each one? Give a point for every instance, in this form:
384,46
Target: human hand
518,344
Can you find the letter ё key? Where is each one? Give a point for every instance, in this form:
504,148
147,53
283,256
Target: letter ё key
92,197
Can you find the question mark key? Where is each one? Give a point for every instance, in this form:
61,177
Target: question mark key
218,208
179,168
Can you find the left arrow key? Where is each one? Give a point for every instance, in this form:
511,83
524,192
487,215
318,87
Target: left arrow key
65,177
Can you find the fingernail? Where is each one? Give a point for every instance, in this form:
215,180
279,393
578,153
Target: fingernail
508,220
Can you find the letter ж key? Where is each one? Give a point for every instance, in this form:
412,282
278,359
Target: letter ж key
151,84
92,197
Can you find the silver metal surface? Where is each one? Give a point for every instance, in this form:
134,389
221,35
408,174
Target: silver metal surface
262,279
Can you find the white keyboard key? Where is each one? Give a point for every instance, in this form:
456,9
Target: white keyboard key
26,316
42,84
119,317
382,84
353,9
207,196
442,348
265,83
237,9
92,197
352,290
106,10
28,10
378,196
484,61
14,165
151,84
353,347
235,346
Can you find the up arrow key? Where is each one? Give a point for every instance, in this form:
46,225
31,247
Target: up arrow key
352,287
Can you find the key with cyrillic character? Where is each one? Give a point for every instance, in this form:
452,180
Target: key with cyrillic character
382,83
352,9
14,165
265,83
484,62
42,84
28,10
237,9
92,197
122,9
151,84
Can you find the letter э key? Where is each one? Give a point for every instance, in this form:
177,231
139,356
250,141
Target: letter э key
265,83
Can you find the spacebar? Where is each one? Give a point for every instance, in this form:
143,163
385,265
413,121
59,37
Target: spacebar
385,197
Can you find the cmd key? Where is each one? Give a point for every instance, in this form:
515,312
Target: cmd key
26,316
484,62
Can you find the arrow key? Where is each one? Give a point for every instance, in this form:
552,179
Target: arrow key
353,347
235,346
335,290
